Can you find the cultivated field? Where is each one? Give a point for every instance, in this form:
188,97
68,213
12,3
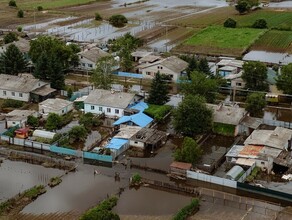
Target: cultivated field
217,40
276,41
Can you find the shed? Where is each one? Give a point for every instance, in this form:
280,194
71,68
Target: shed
43,134
235,173
22,133
179,168
117,146
140,119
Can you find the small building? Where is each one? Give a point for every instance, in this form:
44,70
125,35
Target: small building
235,173
58,106
19,117
22,133
235,80
43,134
229,66
89,57
173,67
230,115
140,119
22,44
117,146
137,55
110,103
179,169
249,124
126,132
148,139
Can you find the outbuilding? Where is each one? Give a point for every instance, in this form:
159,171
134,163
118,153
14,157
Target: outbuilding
234,173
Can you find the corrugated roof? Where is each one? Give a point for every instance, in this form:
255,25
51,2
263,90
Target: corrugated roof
19,114
181,165
109,98
116,143
93,54
139,119
44,90
54,104
141,106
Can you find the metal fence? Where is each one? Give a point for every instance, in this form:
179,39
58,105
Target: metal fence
277,123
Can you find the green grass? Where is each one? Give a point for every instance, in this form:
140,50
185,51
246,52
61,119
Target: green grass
218,36
224,129
157,111
275,19
274,40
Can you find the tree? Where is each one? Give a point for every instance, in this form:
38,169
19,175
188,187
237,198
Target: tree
242,6
255,75
260,24
192,116
57,77
12,3
101,77
10,37
118,20
159,90
88,120
203,66
189,152
32,121
97,17
200,84
126,62
193,65
53,122
255,103
12,61
77,133
20,14
40,8
284,80
230,23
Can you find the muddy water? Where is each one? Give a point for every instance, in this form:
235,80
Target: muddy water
278,114
91,139
216,141
16,177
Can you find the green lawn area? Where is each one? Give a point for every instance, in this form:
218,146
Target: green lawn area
220,37
275,19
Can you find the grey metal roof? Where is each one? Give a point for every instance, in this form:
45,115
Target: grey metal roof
93,54
109,98
54,104
19,114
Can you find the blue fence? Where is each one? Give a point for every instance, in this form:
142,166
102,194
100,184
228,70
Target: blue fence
62,150
94,156
130,75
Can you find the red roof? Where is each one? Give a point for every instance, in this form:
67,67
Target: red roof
181,165
22,130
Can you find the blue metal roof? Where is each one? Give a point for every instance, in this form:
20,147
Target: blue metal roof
116,143
139,119
130,75
141,106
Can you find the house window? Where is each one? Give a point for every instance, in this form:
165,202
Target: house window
90,65
4,92
117,111
83,64
136,142
238,84
171,76
108,110
148,73
92,107
13,93
263,163
20,95
63,111
100,109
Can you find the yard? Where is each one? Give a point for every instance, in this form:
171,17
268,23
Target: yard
217,40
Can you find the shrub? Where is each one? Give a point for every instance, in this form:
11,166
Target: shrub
77,133
40,8
19,28
136,178
11,103
10,37
188,210
230,23
97,17
118,20
32,121
260,24
20,14
12,3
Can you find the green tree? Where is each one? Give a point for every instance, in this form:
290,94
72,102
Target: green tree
242,6
260,24
230,23
118,20
284,80
255,103
97,17
57,77
189,152
77,133
12,3
53,122
203,66
20,13
89,120
159,90
12,61
40,8
192,116
10,37
101,76
200,84
193,65
126,62
32,121
255,75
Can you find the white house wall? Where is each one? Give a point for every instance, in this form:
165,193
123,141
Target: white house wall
149,72
5,94
137,144
12,123
86,64
108,111
62,111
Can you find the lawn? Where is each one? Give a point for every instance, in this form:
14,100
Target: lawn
275,41
217,40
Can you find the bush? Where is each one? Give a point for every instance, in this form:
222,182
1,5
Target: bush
230,23
136,178
188,210
89,121
10,37
11,103
118,20
19,28
40,8
157,111
77,133
97,17
260,24
53,122
253,174
224,129
32,121
20,14
12,3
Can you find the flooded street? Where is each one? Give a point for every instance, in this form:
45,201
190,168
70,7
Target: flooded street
16,177
278,114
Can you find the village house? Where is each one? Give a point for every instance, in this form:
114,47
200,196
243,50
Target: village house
19,117
229,66
139,119
89,57
235,80
57,106
137,55
179,169
22,44
110,103
171,66
24,87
